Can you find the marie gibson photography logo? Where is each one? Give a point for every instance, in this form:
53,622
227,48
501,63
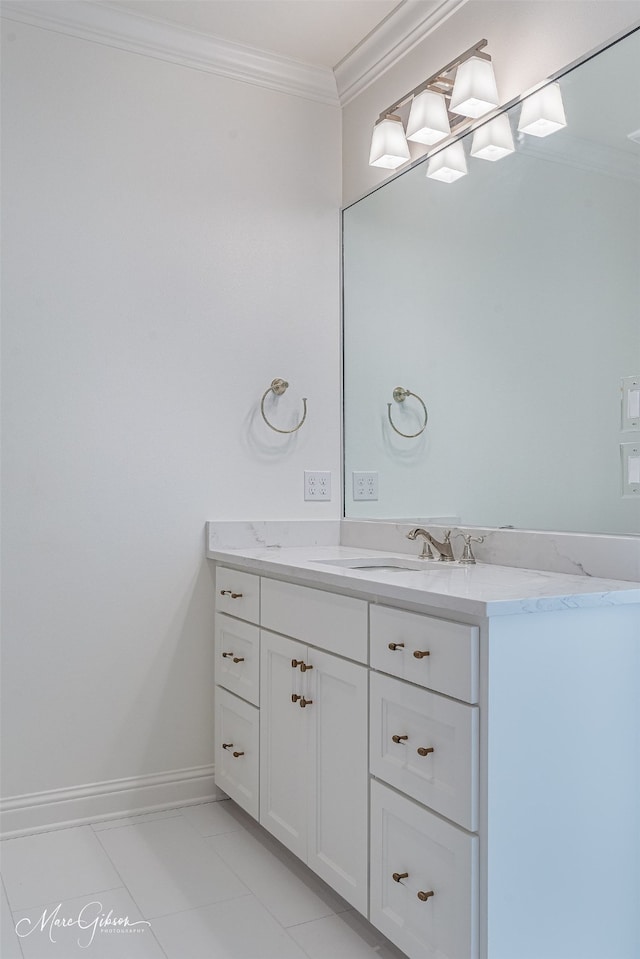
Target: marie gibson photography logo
90,920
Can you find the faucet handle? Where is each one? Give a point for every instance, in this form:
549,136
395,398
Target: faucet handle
467,558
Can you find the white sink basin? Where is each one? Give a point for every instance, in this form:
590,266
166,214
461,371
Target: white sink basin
389,564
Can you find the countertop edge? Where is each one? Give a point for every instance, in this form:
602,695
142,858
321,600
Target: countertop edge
282,563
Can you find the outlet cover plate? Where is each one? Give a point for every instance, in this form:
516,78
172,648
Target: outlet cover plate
317,485
365,484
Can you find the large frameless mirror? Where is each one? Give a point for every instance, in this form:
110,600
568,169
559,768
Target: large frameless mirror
507,302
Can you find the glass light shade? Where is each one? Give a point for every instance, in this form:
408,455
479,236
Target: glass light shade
494,140
428,119
448,165
474,90
389,148
543,112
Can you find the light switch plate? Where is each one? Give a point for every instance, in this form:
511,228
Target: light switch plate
631,403
630,454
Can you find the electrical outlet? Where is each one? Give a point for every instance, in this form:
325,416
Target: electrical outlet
365,485
317,485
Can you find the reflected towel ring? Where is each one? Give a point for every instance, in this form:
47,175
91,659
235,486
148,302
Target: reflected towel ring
278,387
400,395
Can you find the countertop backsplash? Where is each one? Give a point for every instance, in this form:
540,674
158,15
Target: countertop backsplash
583,554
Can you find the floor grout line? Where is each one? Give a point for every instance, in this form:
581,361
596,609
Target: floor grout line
268,845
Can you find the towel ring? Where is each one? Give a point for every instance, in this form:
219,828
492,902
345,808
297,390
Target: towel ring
400,395
278,387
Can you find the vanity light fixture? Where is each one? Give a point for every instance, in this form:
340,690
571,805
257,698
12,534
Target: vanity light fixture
543,112
389,148
467,81
493,140
428,120
448,165
474,91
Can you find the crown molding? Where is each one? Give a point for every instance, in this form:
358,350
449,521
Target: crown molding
403,29
162,40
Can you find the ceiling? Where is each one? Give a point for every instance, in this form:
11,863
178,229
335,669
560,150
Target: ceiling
318,32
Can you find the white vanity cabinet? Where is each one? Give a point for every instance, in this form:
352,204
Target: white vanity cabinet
292,720
424,744
313,760
491,742
237,658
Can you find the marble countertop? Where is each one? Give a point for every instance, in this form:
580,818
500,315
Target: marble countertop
482,590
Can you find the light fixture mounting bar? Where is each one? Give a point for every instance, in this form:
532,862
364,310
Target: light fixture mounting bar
439,77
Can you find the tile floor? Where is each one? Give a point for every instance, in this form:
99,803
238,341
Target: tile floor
202,882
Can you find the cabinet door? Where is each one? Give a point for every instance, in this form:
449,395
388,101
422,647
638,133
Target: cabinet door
283,743
338,775
424,879
236,752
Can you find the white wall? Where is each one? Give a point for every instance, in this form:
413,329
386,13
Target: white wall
528,40
171,244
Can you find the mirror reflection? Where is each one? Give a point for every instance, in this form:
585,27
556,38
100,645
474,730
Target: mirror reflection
506,303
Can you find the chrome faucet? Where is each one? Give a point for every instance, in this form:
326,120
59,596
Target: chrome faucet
444,548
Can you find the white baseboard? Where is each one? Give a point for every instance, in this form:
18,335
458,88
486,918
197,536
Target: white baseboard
61,808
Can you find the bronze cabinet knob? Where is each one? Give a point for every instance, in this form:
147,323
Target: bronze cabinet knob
305,702
393,646
295,697
421,653
425,750
399,739
423,896
228,592
397,876
238,659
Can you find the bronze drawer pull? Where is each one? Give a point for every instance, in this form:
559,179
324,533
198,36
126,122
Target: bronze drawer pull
228,592
301,663
396,646
235,755
423,896
305,702
238,659
424,751
420,654
397,876
399,739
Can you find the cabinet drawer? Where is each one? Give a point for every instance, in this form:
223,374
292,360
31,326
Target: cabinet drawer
238,593
451,666
237,750
332,622
439,858
445,779
237,648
